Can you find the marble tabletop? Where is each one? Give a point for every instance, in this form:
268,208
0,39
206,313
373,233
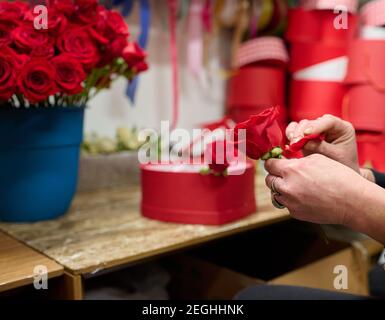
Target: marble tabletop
105,229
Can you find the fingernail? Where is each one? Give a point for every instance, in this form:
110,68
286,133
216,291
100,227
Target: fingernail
308,130
296,139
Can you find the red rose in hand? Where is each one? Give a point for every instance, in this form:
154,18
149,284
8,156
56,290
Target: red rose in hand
12,11
263,133
26,37
135,57
69,74
219,156
78,43
7,76
36,80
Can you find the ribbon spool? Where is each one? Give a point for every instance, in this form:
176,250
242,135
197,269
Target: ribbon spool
348,5
259,81
373,13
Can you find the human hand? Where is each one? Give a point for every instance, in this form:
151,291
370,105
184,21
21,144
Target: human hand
340,140
317,189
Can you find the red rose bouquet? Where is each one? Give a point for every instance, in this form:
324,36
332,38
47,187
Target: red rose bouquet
83,49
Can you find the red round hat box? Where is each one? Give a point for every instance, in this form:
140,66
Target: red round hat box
364,108
179,193
313,99
253,89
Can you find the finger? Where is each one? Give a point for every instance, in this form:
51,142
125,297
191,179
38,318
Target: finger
281,199
299,130
290,129
316,146
278,183
329,125
276,166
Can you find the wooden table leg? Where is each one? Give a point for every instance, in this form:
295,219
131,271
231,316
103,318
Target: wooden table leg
68,287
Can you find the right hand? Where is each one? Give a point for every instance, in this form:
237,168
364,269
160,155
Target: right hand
340,139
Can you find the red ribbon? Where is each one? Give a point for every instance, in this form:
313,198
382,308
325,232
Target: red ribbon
295,149
172,6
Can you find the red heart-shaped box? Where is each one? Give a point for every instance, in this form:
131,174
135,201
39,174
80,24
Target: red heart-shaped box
181,194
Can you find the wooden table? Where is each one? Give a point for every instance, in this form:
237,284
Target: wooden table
104,229
17,264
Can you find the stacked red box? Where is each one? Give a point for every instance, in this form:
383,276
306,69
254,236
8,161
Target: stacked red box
318,52
364,103
259,80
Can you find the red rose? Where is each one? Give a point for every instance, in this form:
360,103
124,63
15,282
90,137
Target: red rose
46,52
135,57
109,24
56,23
36,80
66,7
12,11
116,23
219,156
19,59
78,43
87,10
140,67
6,28
26,37
69,74
7,76
263,133
113,50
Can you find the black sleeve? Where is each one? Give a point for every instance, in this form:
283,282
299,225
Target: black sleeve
379,178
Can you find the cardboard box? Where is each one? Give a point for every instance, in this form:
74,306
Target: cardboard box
219,272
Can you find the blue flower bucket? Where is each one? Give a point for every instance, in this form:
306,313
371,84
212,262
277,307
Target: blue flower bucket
39,158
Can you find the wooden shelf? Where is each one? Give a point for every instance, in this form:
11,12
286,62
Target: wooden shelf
104,229
17,263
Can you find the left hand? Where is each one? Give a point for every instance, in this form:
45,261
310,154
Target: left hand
317,189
